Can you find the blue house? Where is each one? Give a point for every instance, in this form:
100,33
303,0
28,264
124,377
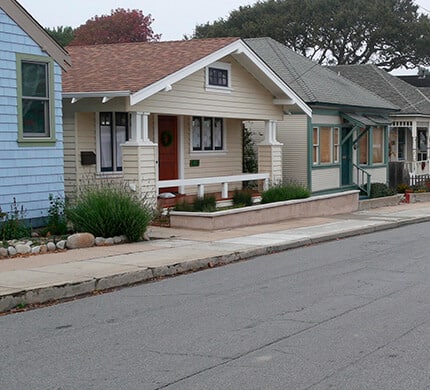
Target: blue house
31,135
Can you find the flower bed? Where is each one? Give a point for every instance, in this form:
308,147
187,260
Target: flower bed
316,206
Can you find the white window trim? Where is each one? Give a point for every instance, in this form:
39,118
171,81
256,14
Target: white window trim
213,151
214,88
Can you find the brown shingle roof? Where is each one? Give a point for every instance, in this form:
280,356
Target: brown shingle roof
133,66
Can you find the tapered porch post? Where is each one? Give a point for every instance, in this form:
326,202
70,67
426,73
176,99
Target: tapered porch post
139,159
270,153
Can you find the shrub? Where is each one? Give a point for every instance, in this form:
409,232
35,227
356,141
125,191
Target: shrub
205,204
379,190
12,224
242,198
109,210
401,188
281,192
57,222
183,206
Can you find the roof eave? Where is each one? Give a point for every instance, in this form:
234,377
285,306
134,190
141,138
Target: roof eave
47,44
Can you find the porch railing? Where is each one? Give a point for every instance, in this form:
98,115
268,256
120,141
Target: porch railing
418,168
222,180
363,179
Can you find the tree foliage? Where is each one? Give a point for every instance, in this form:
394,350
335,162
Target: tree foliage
120,26
63,35
388,33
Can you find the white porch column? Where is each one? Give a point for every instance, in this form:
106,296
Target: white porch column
139,159
270,153
414,142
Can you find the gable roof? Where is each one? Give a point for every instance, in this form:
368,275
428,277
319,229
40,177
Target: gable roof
410,99
312,82
141,69
25,21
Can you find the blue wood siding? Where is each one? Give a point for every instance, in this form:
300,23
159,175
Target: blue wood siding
28,174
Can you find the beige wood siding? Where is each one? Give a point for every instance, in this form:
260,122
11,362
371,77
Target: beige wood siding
248,99
325,179
293,133
69,139
213,164
328,119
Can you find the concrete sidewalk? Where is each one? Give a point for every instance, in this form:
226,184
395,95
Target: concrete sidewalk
55,276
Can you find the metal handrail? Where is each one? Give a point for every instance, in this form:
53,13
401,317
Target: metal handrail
363,179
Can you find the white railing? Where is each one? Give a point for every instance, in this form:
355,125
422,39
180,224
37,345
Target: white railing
418,168
363,179
223,180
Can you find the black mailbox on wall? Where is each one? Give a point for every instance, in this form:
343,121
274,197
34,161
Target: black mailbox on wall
88,158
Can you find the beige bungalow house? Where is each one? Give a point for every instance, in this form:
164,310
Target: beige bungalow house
168,116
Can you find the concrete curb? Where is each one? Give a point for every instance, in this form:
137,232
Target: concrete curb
45,295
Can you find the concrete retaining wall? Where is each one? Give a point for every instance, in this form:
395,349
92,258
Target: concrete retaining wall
316,206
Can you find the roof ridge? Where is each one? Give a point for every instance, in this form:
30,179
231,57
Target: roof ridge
298,78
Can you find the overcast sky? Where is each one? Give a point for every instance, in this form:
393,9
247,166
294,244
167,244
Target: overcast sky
173,18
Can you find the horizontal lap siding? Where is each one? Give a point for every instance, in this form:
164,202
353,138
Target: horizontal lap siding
28,174
215,164
379,174
325,179
247,100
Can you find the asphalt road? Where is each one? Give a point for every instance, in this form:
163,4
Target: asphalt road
348,314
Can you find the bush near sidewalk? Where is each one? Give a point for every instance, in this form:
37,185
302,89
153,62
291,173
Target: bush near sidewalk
282,192
108,209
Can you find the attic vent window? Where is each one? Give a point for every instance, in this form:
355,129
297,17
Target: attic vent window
218,77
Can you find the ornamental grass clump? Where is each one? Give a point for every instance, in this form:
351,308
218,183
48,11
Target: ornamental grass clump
282,192
242,198
109,210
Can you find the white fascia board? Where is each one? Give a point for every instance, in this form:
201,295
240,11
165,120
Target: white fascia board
237,47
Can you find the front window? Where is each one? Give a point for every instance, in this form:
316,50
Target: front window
113,133
364,147
401,139
422,144
378,146
218,77
207,134
35,99
325,145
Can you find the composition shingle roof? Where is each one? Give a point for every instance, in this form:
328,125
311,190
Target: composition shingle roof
133,66
409,98
311,81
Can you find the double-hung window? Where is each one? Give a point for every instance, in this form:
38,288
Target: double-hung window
207,134
371,146
36,113
114,131
325,145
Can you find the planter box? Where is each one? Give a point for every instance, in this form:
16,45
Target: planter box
316,206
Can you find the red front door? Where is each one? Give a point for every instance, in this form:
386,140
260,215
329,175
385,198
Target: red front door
168,150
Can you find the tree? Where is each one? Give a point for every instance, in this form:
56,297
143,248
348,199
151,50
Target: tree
63,35
118,27
388,33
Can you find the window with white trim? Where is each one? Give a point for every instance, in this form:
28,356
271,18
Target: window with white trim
218,76
325,145
207,134
36,99
114,131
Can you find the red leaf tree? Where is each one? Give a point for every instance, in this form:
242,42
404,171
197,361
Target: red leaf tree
118,27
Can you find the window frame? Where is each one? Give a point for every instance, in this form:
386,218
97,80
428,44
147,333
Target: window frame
114,147
213,147
49,138
223,66
334,148
369,147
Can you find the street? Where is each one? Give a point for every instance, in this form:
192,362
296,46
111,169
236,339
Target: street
346,314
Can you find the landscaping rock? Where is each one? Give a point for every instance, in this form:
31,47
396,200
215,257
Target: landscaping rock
22,249
117,240
35,234
35,250
146,237
51,246
61,244
43,249
11,250
99,241
80,240
109,241
3,253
